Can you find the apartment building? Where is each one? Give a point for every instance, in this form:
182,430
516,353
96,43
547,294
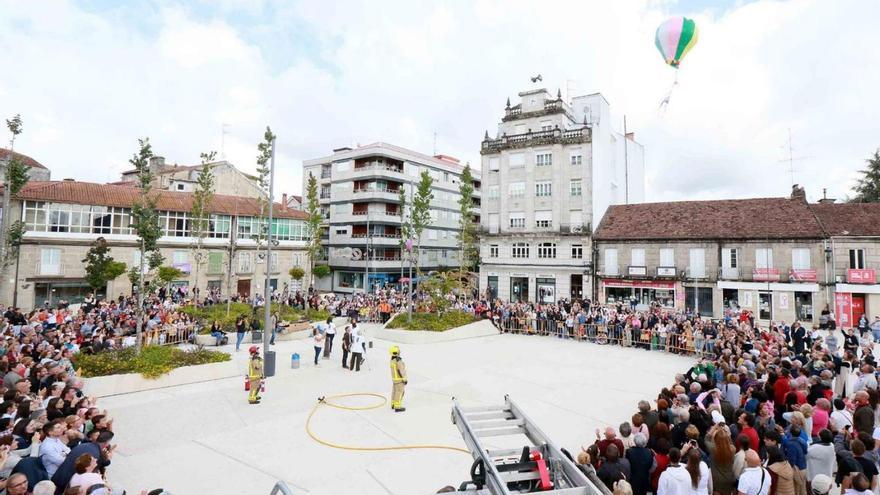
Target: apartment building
63,218
781,258
551,169
228,179
359,196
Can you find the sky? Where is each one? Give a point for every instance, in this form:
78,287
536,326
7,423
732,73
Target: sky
90,77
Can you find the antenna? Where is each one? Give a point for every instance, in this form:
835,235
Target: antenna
435,144
223,133
791,158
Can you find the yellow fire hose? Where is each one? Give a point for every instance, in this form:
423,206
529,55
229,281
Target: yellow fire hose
326,401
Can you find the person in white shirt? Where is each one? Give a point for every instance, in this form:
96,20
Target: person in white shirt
329,334
755,480
698,471
53,451
675,480
317,340
840,418
357,350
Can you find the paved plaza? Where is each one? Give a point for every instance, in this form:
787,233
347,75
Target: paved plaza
206,439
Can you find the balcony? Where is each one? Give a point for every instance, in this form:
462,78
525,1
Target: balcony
537,138
729,273
550,107
375,236
46,269
368,189
325,173
694,273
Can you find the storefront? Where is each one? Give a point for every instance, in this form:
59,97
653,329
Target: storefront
772,301
643,291
546,289
851,301
519,288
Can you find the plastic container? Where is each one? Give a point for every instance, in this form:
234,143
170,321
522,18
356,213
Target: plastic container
294,361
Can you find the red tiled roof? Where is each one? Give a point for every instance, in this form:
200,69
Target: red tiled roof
758,218
122,195
30,162
854,219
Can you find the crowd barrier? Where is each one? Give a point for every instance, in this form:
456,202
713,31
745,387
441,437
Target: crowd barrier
609,335
170,336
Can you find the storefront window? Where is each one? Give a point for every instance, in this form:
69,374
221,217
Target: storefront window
351,280
546,290
731,298
699,300
765,306
519,289
493,286
803,305
614,295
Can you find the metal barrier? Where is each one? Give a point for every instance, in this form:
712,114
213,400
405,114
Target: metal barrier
170,336
614,334
280,488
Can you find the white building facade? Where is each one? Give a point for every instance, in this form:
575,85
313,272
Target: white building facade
359,194
548,175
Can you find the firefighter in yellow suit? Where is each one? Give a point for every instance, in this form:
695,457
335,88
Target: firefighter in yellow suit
398,379
255,374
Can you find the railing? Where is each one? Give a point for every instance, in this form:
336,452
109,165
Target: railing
517,110
609,334
551,136
367,212
169,335
325,196
47,269
385,236
385,258
730,273
379,165
325,174
375,189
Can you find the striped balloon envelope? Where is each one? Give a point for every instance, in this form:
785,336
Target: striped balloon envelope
675,38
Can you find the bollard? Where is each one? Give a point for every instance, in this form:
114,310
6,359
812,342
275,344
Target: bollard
269,364
294,361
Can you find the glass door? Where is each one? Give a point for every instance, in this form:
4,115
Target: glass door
765,305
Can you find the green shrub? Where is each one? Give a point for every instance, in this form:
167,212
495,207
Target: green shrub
321,271
432,322
317,314
153,361
208,314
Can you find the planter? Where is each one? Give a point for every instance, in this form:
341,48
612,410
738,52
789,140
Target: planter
104,386
482,328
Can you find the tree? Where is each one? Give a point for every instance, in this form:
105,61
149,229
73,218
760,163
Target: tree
100,266
167,274
867,188
145,223
296,273
313,224
200,215
15,178
262,233
404,226
420,214
467,230
321,271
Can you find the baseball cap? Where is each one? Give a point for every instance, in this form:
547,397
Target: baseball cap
821,484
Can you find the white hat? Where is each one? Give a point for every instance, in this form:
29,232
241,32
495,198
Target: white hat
717,417
821,484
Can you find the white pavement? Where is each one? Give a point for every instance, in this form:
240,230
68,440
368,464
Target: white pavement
206,439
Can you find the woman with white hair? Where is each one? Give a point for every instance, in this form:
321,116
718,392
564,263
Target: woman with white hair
642,464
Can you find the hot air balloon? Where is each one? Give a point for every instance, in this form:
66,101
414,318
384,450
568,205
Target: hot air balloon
675,38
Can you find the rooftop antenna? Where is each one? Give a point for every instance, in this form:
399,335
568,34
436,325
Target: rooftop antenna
791,158
435,144
223,133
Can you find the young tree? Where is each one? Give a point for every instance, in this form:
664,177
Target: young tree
100,266
15,178
404,226
313,224
467,230
200,215
420,214
145,222
262,233
867,188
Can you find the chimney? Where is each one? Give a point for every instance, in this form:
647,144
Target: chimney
631,136
797,192
284,199
157,163
825,199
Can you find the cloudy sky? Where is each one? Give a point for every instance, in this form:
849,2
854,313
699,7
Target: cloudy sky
90,77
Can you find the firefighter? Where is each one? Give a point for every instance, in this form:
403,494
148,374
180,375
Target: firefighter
255,374
398,379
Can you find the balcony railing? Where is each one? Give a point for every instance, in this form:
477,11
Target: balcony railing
535,138
325,174
381,236
47,269
729,273
376,189
378,165
325,196
367,212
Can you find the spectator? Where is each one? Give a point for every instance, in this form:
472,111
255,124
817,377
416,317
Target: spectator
675,480
700,476
781,473
641,462
610,439
85,477
53,450
754,480
820,456
613,468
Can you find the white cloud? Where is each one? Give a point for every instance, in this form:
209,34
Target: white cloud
88,85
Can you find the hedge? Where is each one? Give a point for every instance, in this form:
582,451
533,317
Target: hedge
153,361
432,322
208,314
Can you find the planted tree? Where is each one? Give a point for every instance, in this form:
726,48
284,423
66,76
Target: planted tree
467,231
200,215
420,215
321,271
100,266
15,178
261,234
313,224
145,223
296,273
867,188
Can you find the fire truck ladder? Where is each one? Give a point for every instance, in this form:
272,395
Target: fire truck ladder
540,467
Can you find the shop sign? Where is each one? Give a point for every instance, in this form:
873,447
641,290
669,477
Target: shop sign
747,298
665,271
638,271
651,284
783,300
799,275
765,274
863,276
843,308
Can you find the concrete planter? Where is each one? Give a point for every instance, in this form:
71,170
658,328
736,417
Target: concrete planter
103,386
482,328
295,331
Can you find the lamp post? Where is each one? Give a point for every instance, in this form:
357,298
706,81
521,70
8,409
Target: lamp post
17,245
266,289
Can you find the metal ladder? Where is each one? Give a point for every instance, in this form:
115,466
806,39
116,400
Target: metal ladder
512,471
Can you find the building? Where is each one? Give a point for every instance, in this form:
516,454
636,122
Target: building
781,258
63,218
359,197
228,180
552,168
36,170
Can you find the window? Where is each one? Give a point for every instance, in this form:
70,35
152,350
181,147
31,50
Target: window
516,160
517,220
547,125
800,258
244,262
544,159
493,250
543,189
576,159
432,235
763,258
180,187
215,263
494,164
575,187
546,250
576,220
342,231
611,261
667,257
273,262
729,258
219,226
444,235
41,216
179,257
544,219
492,192
494,223
519,250
857,259
637,257
50,261
341,208
343,166
697,263
516,189
577,251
